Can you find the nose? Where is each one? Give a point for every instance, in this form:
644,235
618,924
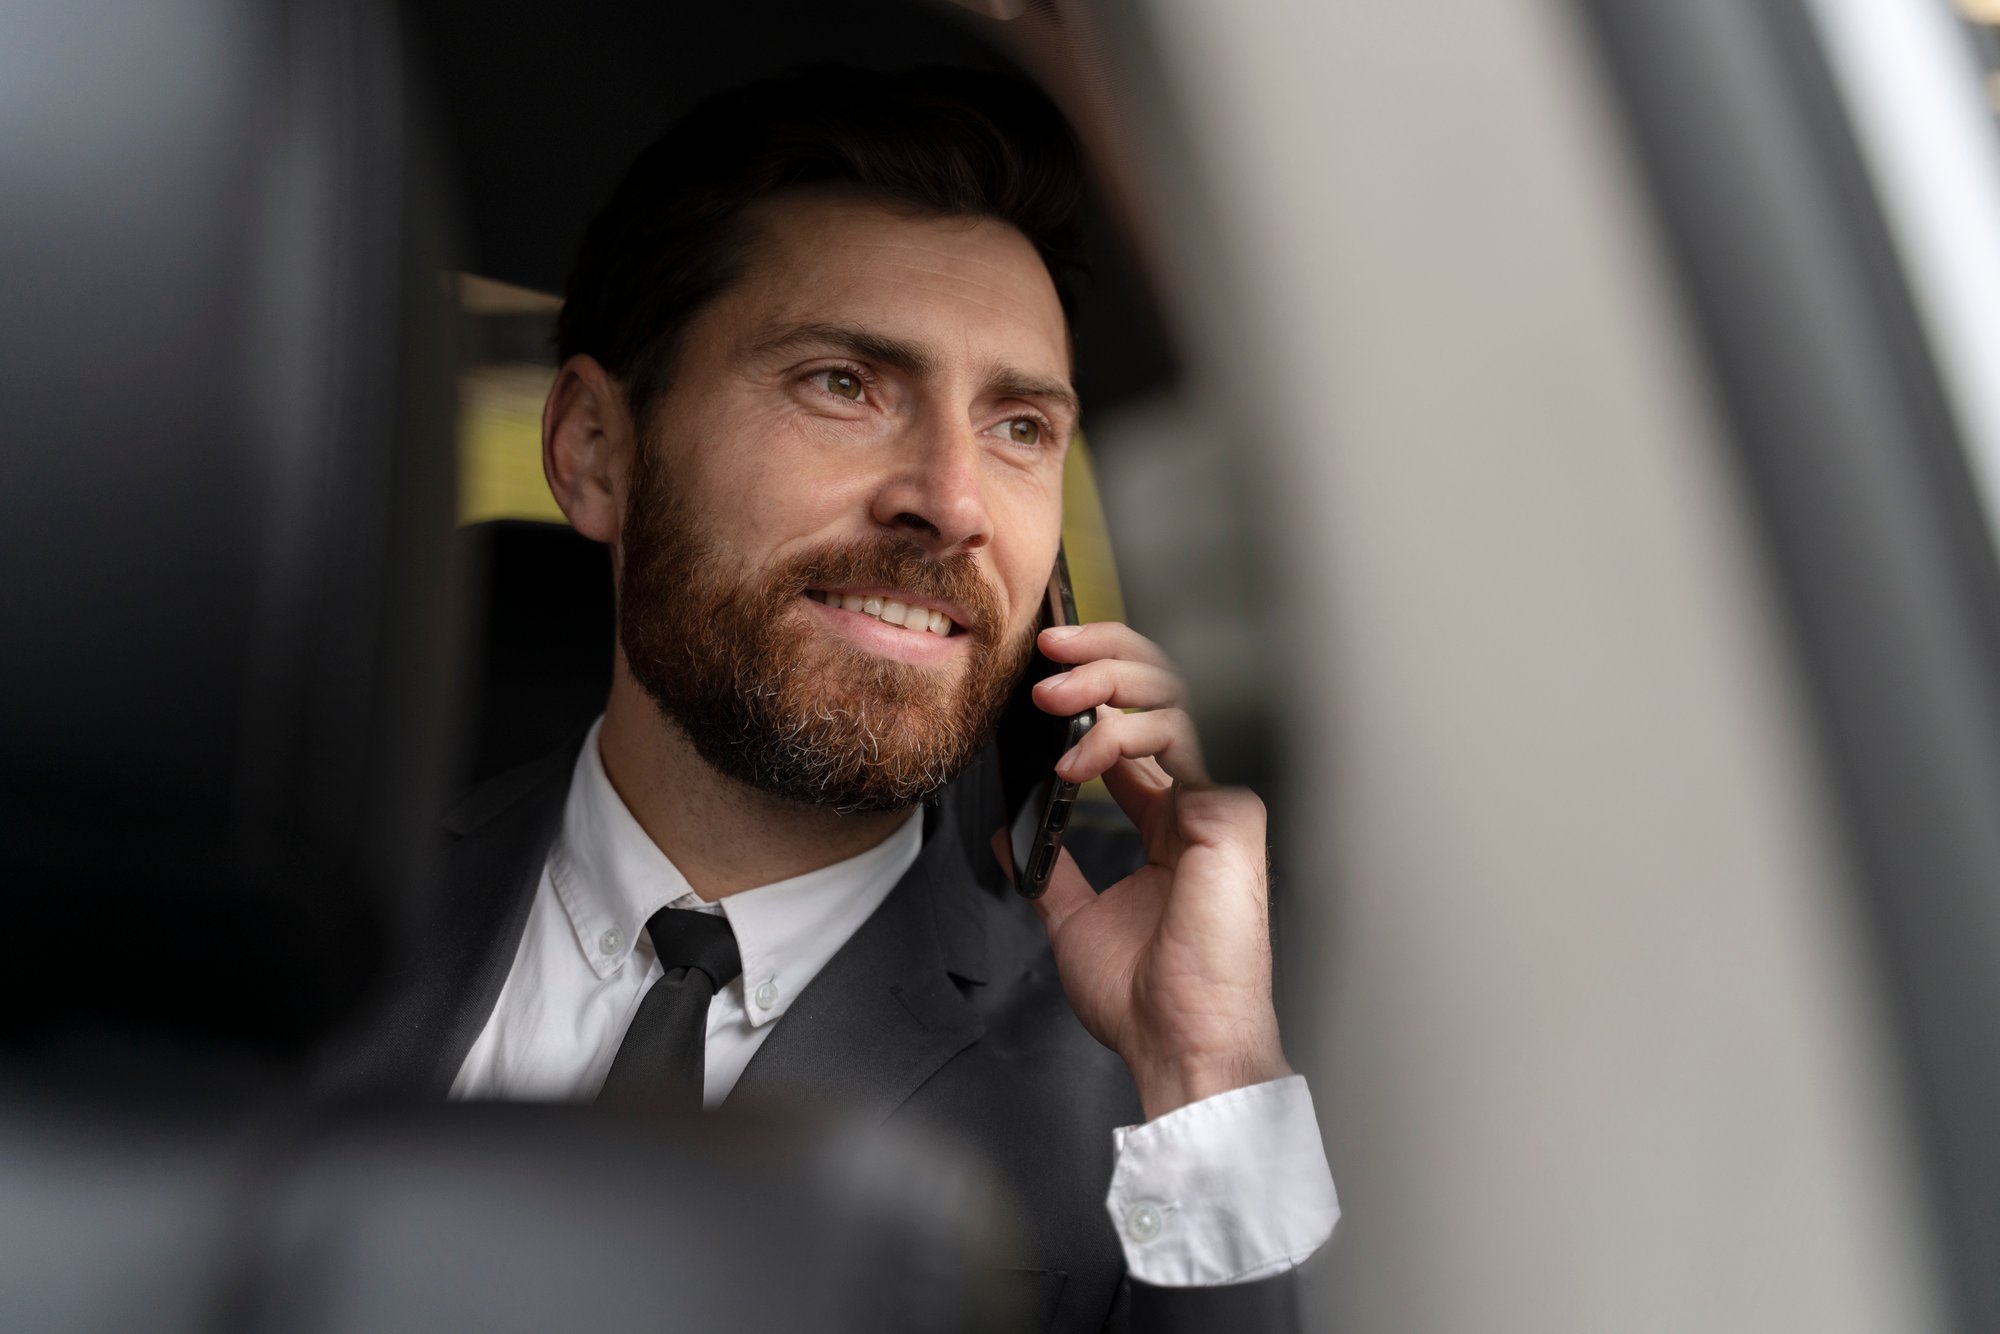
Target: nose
935,494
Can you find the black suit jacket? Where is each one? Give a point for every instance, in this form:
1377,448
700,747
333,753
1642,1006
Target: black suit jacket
944,1009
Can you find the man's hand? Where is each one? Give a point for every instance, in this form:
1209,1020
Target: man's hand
1171,966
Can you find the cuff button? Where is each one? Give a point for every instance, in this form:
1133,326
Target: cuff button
1143,1221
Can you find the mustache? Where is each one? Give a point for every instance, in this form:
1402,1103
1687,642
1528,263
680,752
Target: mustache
954,579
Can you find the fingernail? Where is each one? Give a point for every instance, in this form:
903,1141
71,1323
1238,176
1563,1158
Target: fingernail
1068,758
1052,680
1062,632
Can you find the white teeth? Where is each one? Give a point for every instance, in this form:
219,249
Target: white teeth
889,610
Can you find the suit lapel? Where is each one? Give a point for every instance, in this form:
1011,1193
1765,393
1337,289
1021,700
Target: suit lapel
876,1022
884,1013
454,976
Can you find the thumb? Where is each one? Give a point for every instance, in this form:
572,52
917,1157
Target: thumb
1067,890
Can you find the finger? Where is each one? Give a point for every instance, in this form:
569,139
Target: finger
1146,795
1067,892
1100,639
1067,889
1120,683
1167,735
1137,785
1137,782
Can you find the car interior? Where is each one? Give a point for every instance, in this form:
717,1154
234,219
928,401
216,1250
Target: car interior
1556,441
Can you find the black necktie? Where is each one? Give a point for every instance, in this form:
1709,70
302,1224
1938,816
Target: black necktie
661,1056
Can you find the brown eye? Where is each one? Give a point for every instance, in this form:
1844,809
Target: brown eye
1025,431
842,384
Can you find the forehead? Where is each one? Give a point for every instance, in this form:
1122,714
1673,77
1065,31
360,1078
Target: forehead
969,289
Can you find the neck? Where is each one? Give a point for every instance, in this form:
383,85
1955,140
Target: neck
722,836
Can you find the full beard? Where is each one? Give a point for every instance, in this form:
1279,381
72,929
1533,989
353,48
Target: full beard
772,699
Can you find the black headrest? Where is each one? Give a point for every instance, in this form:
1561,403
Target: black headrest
226,605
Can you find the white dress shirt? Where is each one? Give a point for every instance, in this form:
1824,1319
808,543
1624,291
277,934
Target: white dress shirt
1231,1188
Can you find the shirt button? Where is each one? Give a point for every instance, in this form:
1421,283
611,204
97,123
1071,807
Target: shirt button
767,995
1143,1221
610,941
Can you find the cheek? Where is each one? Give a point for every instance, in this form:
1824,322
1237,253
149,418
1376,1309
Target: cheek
782,504
1033,523
767,477
1025,581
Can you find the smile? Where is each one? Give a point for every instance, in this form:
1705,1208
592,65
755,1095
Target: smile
890,609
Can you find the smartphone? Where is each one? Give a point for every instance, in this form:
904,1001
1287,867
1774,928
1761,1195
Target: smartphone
1030,742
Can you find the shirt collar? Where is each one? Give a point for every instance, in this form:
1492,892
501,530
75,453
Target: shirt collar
610,877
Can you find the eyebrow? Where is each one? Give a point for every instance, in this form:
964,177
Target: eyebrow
909,358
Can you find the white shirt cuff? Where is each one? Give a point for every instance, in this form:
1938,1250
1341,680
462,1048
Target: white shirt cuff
1225,1190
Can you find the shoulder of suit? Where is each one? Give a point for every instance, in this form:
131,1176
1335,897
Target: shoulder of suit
510,787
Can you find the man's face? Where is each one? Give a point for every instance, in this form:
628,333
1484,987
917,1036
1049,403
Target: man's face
870,422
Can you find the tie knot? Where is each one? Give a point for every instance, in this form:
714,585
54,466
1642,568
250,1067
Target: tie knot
683,938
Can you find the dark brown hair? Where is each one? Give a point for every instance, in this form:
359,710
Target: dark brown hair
948,142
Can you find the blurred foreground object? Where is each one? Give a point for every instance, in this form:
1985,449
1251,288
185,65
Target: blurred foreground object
229,617
1590,413
120,1213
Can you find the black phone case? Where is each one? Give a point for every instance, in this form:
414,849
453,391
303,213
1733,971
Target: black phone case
1031,741
1034,880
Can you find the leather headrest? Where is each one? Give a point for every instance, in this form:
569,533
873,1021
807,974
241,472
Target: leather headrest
227,607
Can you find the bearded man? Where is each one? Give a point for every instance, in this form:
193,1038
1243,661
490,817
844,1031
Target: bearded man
815,394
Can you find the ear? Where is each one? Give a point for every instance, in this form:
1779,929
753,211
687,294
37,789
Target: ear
587,443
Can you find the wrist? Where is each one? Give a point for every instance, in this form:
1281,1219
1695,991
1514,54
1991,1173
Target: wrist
1168,1085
